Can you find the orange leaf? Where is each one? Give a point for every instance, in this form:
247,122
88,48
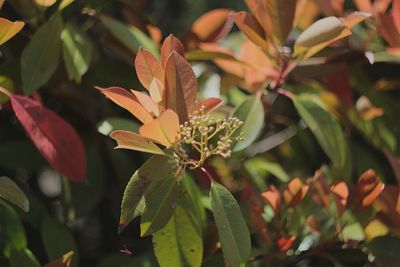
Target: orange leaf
156,90
340,193
180,85
387,29
208,27
170,44
251,28
146,101
306,13
210,104
367,190
163,130
260,12
273,198
355,18
295,192
363,5
331,7
281,13
8,29
147,68
133,141
127,101
396,14
155,33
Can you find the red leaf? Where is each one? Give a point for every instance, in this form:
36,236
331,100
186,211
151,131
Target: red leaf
55,139
170,44
338,82
367,190
286,242
180,85
147,68
295,192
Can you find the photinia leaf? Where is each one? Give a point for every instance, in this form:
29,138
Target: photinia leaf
396,14
64,261
77,51
170,44
281,13
367,190
23,257
55,139
180,242
163,130
12,233
133,141
251,112
8,29
147,68
147,102
160,199
128,101
340,193
12,193
388,206
232,229
250,27
129,35
156,90
139,183
202,55
295,192
355,18
273,198
40,58
210,104
208,27
52,233
180,86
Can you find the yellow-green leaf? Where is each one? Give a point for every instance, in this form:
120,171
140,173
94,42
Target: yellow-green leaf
8,29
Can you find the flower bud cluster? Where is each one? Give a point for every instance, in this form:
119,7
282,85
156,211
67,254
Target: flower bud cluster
205,136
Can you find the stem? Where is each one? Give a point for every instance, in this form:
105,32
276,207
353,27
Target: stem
4,91
209,176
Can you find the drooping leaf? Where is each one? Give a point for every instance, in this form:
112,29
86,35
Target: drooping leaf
161,200
281,13
8,29
147,68
12,193
139,183
326,130
232,229
179,243
40,58
133,141
128,101
58,241
163,130
55,139
12,233
129,35
77,51
23,257
251,113
64,261
170,44
180,86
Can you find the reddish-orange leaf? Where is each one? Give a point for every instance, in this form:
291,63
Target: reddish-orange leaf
163,130
363,5
147,68
208,27
55,138
180,86
388,30
331,7
147,102
8,29
380,6
155,33
396,14
250,27
260,12
128,101
281,14
170,44
286,242
355,18
367,190
133,141
295,192
210,104
273,198
340,193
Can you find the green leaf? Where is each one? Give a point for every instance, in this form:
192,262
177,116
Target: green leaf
180,242
386,250
232,229
23,257
7,84
114,123
130,36
12,234
77,51
40,57
155,168
160,199
58,240
12,193
326,130
251,113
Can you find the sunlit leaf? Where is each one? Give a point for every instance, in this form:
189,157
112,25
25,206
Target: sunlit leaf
208,27
12,193
8,29
147,68
281,13
232,229
209,104
375,229
45,3
273,198
133,141
40,58
295,192
340,193
170,44
147,102
250,27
